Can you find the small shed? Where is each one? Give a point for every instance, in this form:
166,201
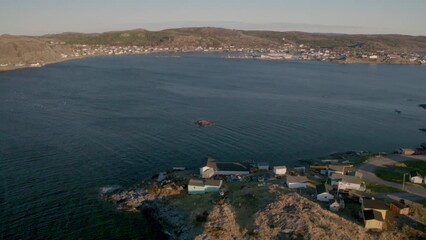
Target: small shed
399,208
296,181
280,170
263,166
373,219
206,172
211,185
415,177
196,186
323,193
378,205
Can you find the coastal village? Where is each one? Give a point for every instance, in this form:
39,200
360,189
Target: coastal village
223,199
287,51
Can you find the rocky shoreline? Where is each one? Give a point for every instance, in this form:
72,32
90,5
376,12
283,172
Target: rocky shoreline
284,215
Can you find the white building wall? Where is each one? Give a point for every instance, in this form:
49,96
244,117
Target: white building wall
347,186
416,179
280,171
296,185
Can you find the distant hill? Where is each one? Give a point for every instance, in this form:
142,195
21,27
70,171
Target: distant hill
25,49
216,37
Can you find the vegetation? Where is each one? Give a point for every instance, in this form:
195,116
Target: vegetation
378,188
396,173
357,161
408,166
412,233
390,175
418,165
215,37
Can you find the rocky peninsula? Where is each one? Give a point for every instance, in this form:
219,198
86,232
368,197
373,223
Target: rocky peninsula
246,211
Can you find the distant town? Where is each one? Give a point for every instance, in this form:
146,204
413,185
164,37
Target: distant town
62,48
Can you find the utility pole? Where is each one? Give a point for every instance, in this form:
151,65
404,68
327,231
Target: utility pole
403,181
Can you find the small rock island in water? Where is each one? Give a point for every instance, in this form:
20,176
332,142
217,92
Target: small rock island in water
204,123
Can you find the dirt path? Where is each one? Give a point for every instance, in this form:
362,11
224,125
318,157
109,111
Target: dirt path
368,169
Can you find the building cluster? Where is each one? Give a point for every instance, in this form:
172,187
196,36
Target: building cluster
335,183
345,55
286,51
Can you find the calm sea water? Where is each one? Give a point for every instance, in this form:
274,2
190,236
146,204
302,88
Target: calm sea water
69,129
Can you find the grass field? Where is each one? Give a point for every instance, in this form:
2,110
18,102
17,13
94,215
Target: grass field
396,173
389,174
378,188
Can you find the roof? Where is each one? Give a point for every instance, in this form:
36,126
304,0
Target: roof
280,167
415,174
297,179
212,182
228,166
371,214
196,182
399,205
346,178
321,188
375,204
337,167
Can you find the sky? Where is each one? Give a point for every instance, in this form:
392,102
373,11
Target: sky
37,17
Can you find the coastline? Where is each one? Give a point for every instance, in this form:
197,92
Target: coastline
243,209
349,61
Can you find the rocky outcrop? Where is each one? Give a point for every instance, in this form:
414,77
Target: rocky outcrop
221,224
296,216
131,200
204,123
173,220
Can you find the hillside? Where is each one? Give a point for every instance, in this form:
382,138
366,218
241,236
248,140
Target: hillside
24,51
215,37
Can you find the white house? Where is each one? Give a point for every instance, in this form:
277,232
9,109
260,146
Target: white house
323,193
211,185
224,168
296,181
280,170
346,182
196,186
415,177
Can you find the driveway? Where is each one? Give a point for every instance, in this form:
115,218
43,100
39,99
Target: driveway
367,169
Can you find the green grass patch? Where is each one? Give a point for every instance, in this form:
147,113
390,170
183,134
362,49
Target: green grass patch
417,165
378,188
357,161
390,175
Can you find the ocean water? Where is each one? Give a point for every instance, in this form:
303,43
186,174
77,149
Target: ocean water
73,129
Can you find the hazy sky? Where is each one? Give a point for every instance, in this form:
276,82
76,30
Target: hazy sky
34,17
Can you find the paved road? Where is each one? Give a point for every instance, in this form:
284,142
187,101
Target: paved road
367,169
